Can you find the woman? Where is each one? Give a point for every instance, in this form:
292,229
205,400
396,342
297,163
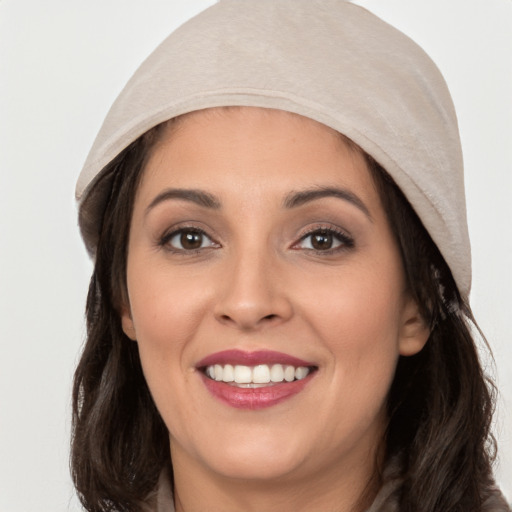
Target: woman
278,314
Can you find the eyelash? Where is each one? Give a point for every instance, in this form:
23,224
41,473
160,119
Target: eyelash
165,240
344,240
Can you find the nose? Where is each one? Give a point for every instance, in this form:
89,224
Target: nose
253,293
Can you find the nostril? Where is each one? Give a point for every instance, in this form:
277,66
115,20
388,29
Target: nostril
267,317
248,323
252,314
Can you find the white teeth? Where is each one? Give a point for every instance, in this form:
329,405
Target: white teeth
277,373
243,374
289,374
228,374
260,374
301,372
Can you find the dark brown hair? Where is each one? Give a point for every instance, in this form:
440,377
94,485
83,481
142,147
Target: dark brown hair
439,406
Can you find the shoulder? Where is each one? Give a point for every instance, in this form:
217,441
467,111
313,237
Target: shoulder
387,500
495,502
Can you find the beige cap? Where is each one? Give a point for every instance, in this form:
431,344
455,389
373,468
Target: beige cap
328,60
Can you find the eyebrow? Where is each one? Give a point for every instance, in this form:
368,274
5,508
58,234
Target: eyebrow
292,200
295,199
198,197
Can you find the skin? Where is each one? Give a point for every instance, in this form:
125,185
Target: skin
257,283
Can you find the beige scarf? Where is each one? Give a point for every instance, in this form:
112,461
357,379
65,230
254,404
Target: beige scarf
328,60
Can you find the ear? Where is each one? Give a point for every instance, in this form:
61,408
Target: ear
414,331
127,323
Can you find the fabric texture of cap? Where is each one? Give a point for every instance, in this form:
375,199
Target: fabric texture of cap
329,60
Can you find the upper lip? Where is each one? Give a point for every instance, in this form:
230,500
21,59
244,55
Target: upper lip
241,357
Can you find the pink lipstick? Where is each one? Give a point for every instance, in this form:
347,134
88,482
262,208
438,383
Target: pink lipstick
251,358
254,380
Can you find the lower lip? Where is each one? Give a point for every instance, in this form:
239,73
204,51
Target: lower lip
254,398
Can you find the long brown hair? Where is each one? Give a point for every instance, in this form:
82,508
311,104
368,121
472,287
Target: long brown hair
439,407
440,404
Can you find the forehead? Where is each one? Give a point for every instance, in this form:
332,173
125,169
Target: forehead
278,124
262,149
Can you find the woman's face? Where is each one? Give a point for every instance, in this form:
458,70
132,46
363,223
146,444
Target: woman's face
259,251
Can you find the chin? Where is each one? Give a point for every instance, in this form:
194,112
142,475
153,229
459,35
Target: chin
251,455
257,466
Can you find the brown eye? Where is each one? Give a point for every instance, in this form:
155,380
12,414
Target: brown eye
321,241
188,240
191,240
325,240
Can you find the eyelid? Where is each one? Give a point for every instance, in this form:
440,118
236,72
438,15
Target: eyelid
164,240
347,241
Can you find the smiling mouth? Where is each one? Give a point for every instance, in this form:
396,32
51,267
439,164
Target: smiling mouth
257,376
254,380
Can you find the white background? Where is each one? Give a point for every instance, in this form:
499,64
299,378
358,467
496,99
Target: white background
62,63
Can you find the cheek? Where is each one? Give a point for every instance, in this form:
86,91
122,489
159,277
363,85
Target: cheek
357,308
166,308
362,334
167,313
365,354
358,317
